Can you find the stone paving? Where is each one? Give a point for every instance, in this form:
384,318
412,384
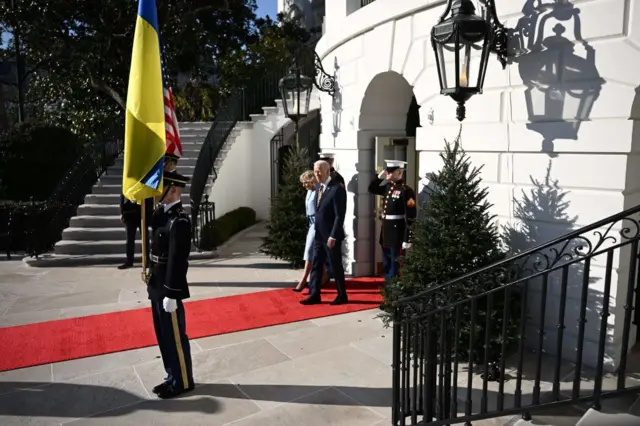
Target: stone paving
328,371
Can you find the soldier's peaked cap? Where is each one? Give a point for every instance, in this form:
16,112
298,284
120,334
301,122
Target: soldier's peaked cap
175,179
327,154
169,156
395,165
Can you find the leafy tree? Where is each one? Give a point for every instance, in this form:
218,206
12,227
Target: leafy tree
76,53
455,235
288,224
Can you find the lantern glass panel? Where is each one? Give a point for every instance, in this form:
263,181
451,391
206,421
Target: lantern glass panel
296,94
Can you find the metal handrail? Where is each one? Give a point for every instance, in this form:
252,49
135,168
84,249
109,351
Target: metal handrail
450,344
235,108
519,258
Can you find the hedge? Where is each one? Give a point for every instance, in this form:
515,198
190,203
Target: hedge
220,230
32,227
33,159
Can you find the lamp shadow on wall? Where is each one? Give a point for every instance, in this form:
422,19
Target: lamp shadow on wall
541,215
560,75
336,102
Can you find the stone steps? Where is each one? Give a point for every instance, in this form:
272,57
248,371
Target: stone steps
113,198
96,235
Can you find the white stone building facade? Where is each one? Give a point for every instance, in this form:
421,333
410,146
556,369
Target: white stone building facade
555,132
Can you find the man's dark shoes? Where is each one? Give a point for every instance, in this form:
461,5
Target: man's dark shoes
339,301
125,266
170,391
311,301
159,387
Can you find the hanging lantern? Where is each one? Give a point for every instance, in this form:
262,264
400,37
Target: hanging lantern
459,32
295,89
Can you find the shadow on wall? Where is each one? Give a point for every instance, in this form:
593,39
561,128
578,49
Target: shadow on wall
352,188
575,285
336,103
560,75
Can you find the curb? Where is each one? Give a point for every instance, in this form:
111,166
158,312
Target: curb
53,260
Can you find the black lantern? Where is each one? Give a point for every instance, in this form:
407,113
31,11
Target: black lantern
455,37
295,89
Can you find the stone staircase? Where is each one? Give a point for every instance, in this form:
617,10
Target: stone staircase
96,235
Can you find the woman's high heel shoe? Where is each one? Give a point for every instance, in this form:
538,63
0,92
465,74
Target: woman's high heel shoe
299,289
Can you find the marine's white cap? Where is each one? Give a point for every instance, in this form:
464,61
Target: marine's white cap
395,164
327,154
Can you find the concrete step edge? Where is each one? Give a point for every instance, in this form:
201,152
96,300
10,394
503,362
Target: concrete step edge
61,260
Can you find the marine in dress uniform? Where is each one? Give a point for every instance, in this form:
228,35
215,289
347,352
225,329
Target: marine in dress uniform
168,287
398,214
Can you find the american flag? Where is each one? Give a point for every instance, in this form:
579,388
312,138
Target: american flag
174,144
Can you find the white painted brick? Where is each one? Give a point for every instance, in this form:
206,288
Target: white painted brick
593,136
378,48
416,60
401,43
573,170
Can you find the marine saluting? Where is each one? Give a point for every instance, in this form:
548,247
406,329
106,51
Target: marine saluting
168,287
398,214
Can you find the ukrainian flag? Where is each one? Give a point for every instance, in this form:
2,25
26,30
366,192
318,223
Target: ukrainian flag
145,133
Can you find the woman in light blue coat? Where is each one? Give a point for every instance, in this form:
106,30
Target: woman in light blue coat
308,180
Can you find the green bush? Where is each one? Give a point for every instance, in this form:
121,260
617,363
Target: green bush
456,235
33,158
220,230
288,224
33,226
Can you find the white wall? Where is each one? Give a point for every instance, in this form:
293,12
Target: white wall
595,171
244,169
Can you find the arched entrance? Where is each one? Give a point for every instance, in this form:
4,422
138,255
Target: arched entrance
388,110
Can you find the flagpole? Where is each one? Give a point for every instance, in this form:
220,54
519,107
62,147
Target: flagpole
144,237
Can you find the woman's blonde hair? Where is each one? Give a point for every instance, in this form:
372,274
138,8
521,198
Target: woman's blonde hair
307,177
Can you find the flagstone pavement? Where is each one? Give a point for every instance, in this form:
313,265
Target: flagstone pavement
328,371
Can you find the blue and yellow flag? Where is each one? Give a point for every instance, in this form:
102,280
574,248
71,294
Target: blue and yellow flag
145,133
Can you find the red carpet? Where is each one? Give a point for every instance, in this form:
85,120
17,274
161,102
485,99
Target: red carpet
62,340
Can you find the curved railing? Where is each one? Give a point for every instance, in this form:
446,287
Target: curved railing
531,331
237,107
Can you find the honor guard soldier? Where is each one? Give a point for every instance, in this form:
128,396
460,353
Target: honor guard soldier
167,286
398,214
330,157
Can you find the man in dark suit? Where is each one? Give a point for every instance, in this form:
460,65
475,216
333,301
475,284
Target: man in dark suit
331,206
330,158
131,217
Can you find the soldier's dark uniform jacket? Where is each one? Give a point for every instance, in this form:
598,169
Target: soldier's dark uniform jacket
337,177
398,212
170,247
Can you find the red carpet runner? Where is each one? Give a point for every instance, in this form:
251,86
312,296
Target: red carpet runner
62,340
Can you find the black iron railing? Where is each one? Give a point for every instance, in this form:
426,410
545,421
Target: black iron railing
37,225
238,107
539,333
235,108
363,3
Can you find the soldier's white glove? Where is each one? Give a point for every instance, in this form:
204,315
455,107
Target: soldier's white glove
169,305
406,246
382,175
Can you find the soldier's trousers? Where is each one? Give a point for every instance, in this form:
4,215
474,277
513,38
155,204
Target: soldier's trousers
390,263
174,344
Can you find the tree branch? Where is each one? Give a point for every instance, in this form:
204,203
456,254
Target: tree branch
102,86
